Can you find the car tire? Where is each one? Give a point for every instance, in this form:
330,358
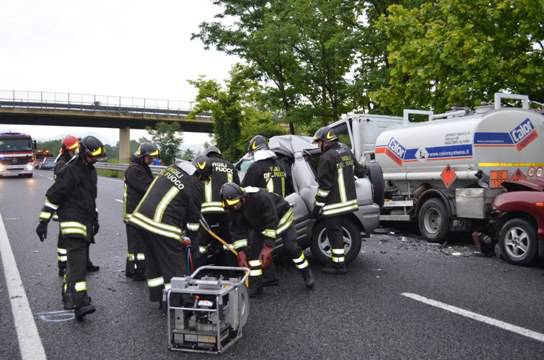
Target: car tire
518,241
375,174
320,246
433,220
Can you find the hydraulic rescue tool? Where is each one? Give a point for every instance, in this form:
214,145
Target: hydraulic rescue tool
207,310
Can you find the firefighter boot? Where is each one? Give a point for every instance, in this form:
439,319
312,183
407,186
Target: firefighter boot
308,277
84,306
139,270
255,286
129,267
62,267
92,267
338,268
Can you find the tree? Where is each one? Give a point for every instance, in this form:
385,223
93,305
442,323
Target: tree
169,138
304,48
460,52
188,154
236,109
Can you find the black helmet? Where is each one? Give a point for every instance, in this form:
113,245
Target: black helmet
325,134
258,142
91,146
149,149
203,167
212,150
231,194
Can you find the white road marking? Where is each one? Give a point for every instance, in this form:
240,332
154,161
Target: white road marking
119,200
474,316
30,343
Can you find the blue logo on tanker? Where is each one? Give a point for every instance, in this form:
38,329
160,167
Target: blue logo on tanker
396,148
522,130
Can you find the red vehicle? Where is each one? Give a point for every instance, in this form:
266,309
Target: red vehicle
519,220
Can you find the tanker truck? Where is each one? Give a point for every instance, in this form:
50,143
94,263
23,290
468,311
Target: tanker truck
444,173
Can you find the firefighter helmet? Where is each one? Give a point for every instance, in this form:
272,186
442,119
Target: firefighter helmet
258,142
70,143
231,194
91,146
148,149
325,134
212,150
203,168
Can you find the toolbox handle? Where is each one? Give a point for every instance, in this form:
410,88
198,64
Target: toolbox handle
219,268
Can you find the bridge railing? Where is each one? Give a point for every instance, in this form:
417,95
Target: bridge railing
90,102
155,169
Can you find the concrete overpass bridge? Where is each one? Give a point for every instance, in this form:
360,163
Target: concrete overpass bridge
97,111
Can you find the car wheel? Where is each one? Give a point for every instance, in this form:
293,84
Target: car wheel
518,241
433,220
321,247
376,178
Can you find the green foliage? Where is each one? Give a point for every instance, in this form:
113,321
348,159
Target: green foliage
188,154
169,138
237,110
303,49
460,52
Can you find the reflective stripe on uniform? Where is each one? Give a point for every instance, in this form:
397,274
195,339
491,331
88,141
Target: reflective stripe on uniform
202,249
337,259
44,215
238,244
285,221
338,251
342,186
255,263
62,251
340,207
208,191
318,203
212,207
158,281
62,258
140,256
271,233
155,227
73,228
193,226
130,257
167,286
51,205
163,204
258,272
301,261
322,193
80,286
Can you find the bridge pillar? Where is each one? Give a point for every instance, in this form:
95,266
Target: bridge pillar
124,144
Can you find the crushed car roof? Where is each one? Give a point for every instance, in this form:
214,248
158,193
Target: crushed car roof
291,143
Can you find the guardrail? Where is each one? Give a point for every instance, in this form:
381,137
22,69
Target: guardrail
155,169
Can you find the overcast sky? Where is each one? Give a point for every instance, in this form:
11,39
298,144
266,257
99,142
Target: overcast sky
131,48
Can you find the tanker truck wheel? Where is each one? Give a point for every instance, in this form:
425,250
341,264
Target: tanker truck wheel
518,241
376,178
433,220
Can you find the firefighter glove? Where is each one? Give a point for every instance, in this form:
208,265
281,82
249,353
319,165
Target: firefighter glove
241,259
316,212
266,256
41,230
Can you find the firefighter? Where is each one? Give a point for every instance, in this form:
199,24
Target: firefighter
214,172
266,172
258,218
68,151
336,194
170,212
138,176
73,197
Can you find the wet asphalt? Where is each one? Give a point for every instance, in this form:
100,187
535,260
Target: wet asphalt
358,316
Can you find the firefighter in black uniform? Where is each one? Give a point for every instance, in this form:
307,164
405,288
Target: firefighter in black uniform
269,216
266,172
336,194
170,212
214,172
138,176
68,151
73,197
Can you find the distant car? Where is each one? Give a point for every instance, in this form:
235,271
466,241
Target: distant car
518,220
48,164
301,157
